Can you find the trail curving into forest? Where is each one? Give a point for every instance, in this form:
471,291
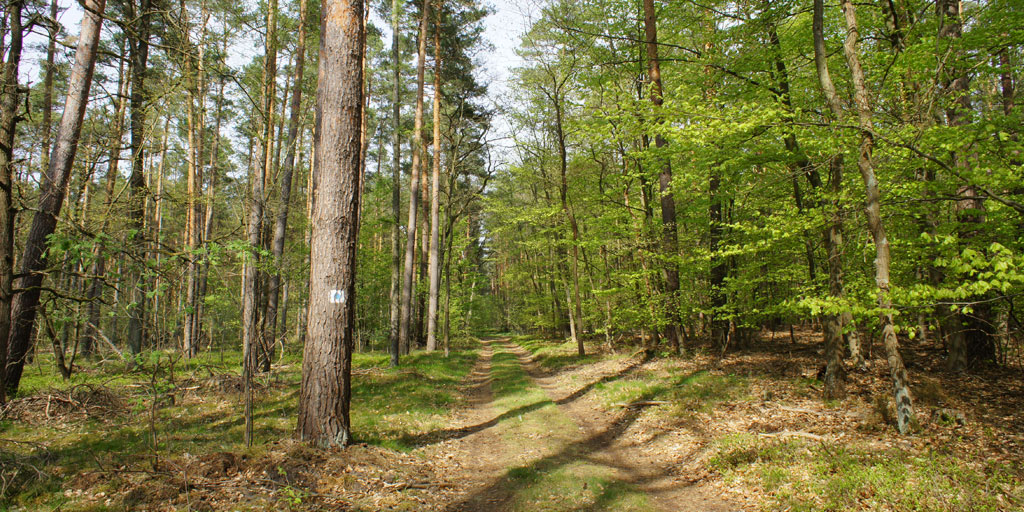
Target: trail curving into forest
549,444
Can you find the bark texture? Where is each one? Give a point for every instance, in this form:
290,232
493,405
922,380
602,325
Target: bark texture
327,355
396,199
9,94
434,275
670,244
33,260
897,372
405,323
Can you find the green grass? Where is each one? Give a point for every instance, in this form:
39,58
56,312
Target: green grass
555,355
805,476
578,485
196,416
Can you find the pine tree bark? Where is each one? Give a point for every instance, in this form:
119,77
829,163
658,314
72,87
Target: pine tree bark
260,339
396,195
326,363
670,244
9,95
51,52
897,372
33,261
98,270
139,54
287,171
196,116
405,323
434,274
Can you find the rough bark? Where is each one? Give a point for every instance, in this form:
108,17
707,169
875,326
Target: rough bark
326,363
33,260
834,372
405,322
196,116
9,95
670,244
265,352
396,199
287,171
434,275
139,54
897,372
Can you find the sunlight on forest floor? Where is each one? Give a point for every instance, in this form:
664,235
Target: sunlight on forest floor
749,428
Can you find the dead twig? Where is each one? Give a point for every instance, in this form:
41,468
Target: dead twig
790,433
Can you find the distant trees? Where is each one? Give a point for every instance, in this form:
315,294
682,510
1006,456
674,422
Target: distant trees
734,136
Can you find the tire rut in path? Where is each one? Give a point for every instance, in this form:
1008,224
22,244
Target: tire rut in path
479,456
604,443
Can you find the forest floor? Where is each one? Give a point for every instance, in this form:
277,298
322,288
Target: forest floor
521,424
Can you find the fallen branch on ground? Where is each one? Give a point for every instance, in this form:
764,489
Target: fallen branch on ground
790,433
643,403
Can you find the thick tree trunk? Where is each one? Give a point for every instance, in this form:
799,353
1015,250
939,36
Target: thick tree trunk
434,275
405,322
139,53
33,261
9,95
670,244
291,146
396,196
326,362
897,372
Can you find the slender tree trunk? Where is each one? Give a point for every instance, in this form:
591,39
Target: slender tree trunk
901,388
33,261
327,356
396,196
9,95
414,190
259,335
195,110
435,187
834,372
420,308
51,51
668,205
281,226
99,256
970,336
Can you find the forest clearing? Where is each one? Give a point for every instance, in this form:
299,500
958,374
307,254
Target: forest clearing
511,255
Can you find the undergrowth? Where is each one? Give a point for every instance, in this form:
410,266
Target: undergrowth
53,431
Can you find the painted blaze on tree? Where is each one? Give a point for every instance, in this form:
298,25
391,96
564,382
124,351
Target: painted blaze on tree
327,355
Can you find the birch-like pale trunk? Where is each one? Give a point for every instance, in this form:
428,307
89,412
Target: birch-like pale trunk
897,372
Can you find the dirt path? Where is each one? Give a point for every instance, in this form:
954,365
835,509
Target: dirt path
547,444
473,449
610,439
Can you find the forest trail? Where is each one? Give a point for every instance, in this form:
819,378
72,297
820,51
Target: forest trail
539,441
